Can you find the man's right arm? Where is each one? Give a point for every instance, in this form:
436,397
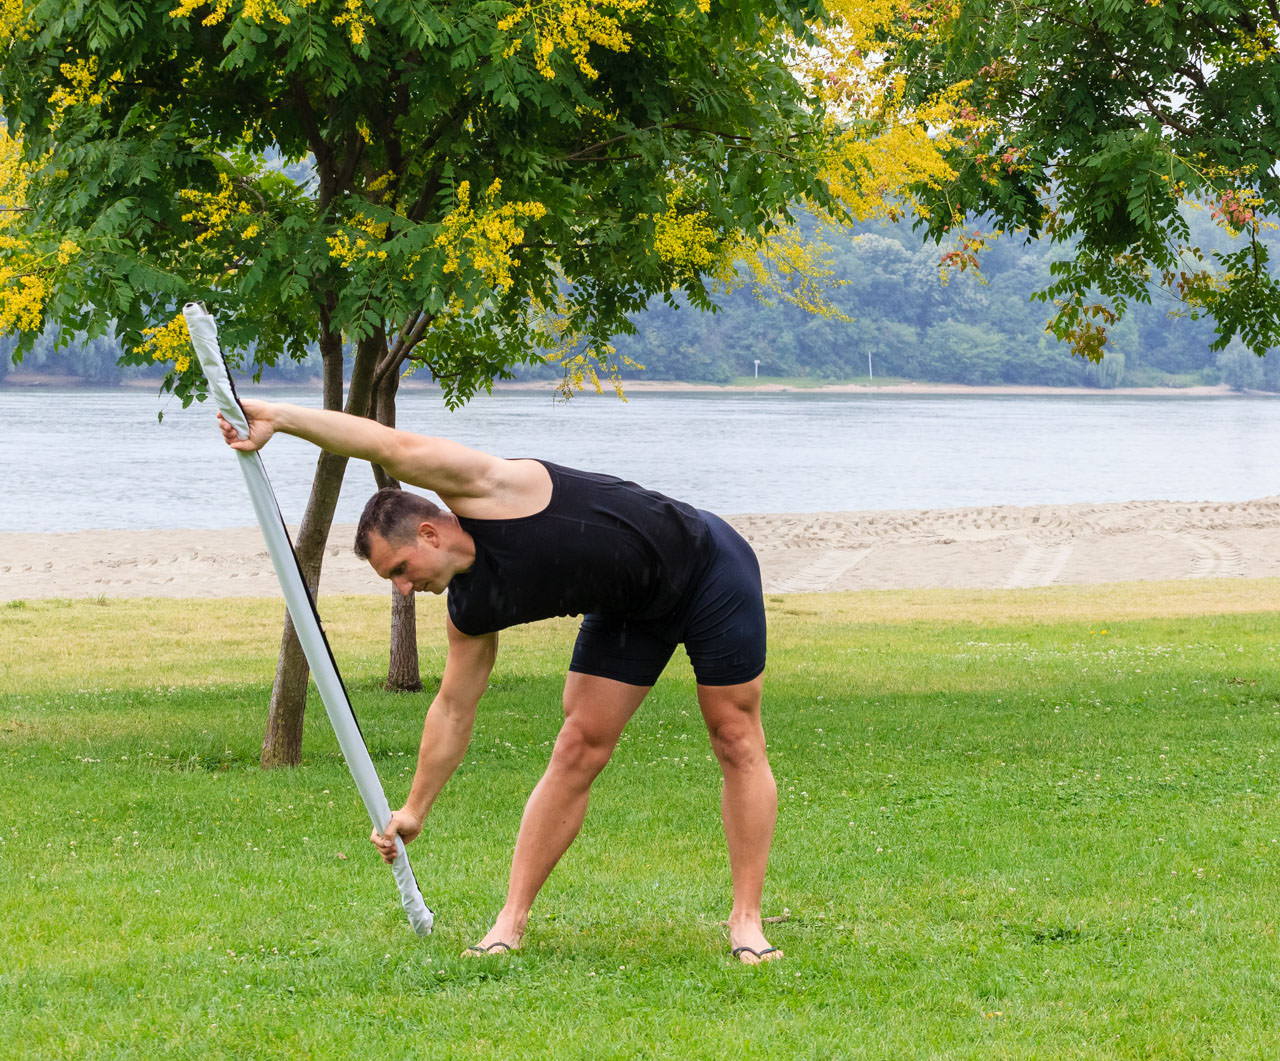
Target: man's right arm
446,733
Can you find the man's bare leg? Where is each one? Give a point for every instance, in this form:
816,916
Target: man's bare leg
748,805
595,712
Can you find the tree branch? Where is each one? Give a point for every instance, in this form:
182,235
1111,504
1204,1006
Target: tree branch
410,334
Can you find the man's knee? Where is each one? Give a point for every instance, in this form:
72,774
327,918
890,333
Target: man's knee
579,752
738,742
732,715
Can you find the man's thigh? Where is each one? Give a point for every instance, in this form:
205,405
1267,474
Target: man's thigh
596,710
622,650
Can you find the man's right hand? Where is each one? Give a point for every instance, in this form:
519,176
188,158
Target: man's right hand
402,824
261,426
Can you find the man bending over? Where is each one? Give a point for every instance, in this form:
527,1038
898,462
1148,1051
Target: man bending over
523,540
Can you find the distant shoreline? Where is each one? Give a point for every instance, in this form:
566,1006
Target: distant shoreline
36,380
1220,390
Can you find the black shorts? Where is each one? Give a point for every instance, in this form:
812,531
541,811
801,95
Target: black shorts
720,621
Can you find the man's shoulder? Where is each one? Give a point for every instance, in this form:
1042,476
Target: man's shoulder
513,488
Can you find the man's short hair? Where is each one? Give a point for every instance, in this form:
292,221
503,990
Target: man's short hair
394,516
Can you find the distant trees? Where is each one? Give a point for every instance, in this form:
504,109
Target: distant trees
963,327
1096,125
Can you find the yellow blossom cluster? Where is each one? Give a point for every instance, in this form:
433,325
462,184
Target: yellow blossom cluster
882,147
354,15
22,293
572,27
24,271
869,174
686,240
214,211
486,235
356,18
359,241
797,271
84,84
863,19
555,332
1257,46
253,10
169,342
582,370
15,24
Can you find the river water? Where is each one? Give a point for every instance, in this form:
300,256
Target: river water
89,459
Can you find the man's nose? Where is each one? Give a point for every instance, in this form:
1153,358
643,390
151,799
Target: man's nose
404,586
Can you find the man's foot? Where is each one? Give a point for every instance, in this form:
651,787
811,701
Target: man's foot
503,938
751,956
748,943
477,950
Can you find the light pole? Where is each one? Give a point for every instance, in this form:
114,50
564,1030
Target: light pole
869,375
757,369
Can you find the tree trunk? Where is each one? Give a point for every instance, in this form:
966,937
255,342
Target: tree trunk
402,666
282,742
403,675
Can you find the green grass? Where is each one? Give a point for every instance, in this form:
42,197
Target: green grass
1038,824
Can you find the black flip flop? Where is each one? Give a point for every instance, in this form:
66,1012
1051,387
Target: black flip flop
751,950
492,948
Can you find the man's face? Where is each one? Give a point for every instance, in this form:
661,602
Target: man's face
416,565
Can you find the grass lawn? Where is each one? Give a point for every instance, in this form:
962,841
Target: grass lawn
1014,824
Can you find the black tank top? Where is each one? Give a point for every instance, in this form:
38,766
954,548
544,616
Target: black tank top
602,545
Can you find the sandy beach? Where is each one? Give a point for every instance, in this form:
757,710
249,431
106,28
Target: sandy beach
992,547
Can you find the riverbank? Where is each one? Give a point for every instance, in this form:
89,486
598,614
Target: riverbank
965,548
657,386
42,381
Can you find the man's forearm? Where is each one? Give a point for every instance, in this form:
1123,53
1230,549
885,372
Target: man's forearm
445,737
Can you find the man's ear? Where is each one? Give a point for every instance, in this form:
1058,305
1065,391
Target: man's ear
429,534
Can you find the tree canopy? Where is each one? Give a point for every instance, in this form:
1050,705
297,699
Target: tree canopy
479,180
1096,124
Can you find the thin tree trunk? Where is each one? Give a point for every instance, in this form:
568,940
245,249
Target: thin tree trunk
282,742
403,674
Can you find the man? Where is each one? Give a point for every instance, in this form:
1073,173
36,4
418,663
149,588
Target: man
524,540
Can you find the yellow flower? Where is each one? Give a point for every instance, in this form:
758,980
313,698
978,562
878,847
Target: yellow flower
169,342
685,239
572,27
486,237
22,299
357,20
